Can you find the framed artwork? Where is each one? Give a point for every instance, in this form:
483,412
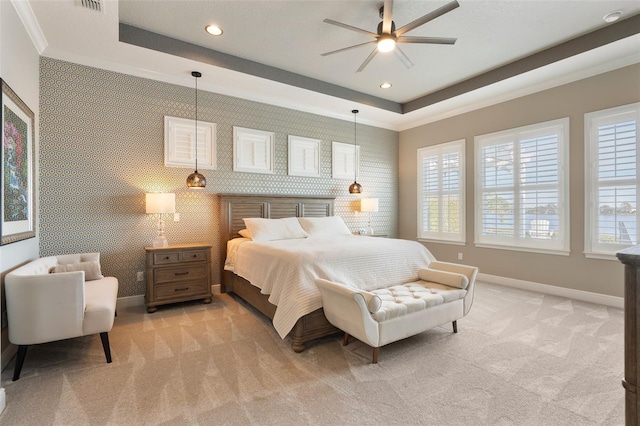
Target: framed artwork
345,161
304,156
253,150
180,143
18,169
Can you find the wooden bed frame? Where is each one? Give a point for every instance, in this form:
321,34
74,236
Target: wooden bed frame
236,207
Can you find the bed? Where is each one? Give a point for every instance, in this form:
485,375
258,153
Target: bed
296,310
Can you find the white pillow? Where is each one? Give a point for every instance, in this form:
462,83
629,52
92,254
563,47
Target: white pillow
91,269
450,279
244,233
324,226
274,229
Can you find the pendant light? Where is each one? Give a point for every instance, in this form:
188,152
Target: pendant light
195,180
355,187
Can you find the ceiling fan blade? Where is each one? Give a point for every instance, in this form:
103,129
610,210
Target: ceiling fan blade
369,58
403,58
349,27
346,48
428,17
429,40
386,16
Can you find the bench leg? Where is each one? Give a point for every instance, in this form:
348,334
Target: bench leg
345,339
22,353
105,345
455,326
375,356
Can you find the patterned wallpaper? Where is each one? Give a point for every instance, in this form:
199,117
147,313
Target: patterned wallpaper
102,148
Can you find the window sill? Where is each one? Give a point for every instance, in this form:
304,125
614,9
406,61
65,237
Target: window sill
554,252
600,256
431,240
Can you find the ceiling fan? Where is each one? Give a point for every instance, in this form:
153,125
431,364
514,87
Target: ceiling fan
387,37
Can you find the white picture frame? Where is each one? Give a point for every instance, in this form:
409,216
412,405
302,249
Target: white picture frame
253,150
304,156
344,165
180,140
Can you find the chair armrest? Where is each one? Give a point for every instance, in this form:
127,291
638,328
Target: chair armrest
347,308
469,271
44,307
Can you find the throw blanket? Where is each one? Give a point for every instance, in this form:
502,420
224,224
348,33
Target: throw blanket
286,270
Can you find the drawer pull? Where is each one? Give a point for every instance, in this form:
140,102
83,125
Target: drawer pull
181,289
182,273
195,255
166,258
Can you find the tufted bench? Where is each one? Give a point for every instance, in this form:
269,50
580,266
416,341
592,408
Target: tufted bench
443,293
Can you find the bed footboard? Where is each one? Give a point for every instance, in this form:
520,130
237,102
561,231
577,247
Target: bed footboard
311,326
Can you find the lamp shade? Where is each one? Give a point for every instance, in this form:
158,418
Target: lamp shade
161,202
369,205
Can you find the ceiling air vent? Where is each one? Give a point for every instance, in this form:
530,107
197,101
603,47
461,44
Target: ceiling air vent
92,4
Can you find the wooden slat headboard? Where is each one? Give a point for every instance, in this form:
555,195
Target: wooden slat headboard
235,207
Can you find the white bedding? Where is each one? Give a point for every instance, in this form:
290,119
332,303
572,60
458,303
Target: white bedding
286,269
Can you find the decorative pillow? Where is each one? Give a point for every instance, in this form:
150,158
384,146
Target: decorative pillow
91,269
324,226
274,229
244,233
374,302
442,277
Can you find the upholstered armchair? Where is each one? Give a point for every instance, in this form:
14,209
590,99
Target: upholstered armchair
59,297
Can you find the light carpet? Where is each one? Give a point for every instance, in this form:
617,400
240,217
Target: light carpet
519,358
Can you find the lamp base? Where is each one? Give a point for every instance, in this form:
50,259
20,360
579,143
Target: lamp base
369,230
160,241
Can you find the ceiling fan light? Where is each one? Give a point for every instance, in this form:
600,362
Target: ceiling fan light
386,44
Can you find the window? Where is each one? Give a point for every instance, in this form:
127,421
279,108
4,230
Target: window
611,180
521,197
252,150
441,192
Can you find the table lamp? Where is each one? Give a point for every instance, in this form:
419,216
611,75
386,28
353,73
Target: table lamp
160,203
369,205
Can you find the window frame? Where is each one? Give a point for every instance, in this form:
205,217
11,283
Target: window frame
457,146
592,121
559,246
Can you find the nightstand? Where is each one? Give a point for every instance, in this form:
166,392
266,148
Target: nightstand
177,273
371,235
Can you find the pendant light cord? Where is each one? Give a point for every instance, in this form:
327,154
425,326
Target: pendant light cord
355,156
196,76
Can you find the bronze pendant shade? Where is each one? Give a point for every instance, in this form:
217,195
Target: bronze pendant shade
196,180
355,187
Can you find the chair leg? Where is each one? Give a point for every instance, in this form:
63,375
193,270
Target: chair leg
345,339
105,345
375,356
22,353
455,326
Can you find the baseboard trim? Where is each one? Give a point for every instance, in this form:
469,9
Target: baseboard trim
138,300
3,400
584,296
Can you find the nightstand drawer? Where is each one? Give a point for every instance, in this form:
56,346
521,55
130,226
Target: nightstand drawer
182,289
164,258
167,275
194,255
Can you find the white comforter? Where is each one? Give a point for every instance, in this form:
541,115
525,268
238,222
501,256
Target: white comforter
286,270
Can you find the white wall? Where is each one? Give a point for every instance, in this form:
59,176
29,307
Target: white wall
19,68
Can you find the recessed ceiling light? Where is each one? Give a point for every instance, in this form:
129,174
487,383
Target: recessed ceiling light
213,30
385,85
612,17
